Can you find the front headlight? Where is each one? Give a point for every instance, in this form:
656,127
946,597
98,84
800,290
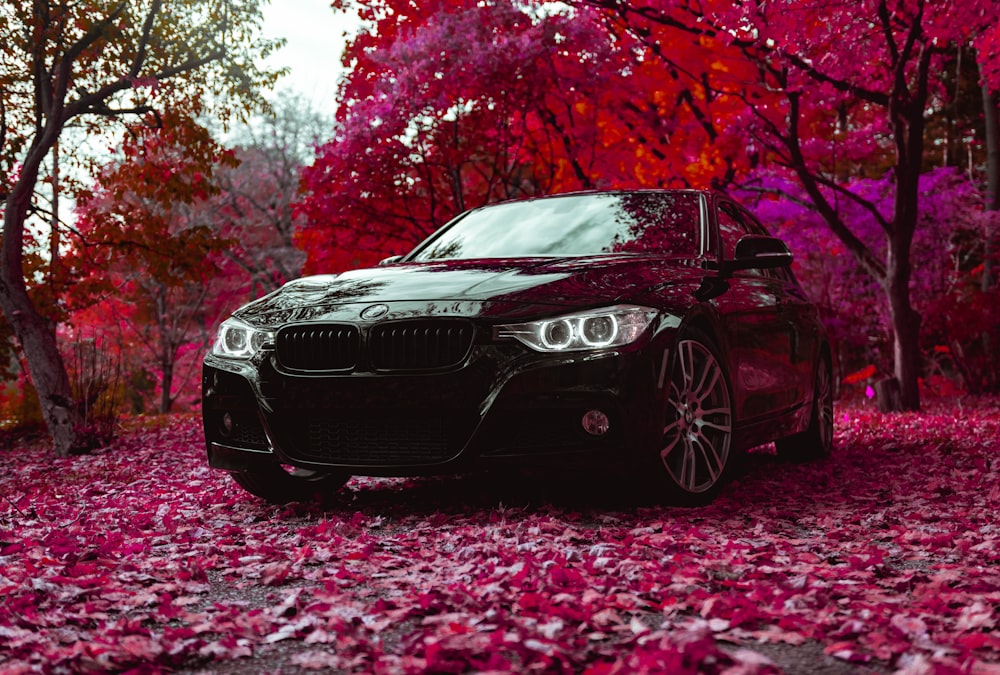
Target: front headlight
593,329
238,340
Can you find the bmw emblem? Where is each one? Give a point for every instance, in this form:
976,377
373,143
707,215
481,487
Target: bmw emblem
374,312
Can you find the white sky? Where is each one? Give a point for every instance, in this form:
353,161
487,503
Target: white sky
315,35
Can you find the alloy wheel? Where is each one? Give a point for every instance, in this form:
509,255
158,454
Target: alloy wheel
697,437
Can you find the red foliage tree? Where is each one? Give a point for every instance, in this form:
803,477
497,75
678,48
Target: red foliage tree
948,249
856,82
148,259
453,105
177,232
254,208
88,63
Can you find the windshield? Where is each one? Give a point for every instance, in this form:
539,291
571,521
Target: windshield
663,223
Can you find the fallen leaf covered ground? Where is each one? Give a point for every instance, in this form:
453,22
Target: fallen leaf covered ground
883,558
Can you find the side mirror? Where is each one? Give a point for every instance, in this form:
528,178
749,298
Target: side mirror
390,260
756,251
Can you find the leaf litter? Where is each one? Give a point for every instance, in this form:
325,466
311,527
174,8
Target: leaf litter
883,558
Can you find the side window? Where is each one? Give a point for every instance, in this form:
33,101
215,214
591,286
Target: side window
730,231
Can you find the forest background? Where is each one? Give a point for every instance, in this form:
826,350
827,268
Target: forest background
148,188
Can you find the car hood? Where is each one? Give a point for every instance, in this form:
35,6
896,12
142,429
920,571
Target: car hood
501,288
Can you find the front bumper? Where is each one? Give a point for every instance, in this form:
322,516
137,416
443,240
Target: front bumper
505,403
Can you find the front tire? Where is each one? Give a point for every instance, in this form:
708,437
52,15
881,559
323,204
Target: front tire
696,446
279,485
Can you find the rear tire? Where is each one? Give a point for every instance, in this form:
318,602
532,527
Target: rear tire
696,446
279,485
816,441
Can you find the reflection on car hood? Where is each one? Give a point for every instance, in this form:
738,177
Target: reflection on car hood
467,287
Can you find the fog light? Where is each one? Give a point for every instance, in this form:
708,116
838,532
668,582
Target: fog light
596,423
227,424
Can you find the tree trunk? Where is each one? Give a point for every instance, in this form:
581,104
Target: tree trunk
37,337
905,319
167,352
45,363
166,384
992,175
887,395
906,116
990,341
905,345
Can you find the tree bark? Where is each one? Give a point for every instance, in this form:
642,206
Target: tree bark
905,337
990,340
992,174
905,319
166,384
37,336
167,349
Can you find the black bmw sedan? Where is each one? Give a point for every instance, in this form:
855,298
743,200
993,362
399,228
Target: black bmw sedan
654,333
